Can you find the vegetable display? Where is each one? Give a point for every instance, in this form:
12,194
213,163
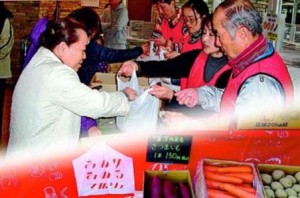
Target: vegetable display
279,184
232,181
163,188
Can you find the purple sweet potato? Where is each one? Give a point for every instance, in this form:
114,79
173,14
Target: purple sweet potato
156,188
185,192
170,190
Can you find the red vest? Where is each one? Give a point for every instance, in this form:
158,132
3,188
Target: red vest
175,33
272,66
191,46
197,72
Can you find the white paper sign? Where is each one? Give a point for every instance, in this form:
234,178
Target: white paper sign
102,170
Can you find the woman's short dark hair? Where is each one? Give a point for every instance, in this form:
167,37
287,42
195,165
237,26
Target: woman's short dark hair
89,18
61,31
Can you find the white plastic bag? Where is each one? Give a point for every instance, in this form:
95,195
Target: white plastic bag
143,113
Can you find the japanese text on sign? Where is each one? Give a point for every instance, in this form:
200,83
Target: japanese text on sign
169,149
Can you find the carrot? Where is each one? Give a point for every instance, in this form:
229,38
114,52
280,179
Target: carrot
234,190
212,184
211,168
235,169
247,189
212,193
217,185
246,177
222,178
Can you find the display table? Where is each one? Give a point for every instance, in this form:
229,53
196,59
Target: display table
54,177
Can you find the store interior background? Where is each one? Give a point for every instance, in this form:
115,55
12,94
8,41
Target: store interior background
26,13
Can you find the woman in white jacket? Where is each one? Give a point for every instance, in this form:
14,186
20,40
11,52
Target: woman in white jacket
49,99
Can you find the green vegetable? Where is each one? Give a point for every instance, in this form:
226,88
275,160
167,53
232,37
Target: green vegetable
286,182
297,175
281,193
266,178
267,187
292,178
278,174
276,185
290,192
296,187
270,193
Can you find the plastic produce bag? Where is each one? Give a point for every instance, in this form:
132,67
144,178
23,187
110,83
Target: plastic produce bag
143,113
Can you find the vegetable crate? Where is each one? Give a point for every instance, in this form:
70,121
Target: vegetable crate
168,184
220,178
107,81
280,180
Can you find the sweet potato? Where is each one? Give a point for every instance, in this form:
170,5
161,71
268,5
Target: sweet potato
156,188
184,191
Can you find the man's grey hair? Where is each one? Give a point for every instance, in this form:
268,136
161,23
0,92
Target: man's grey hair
241,13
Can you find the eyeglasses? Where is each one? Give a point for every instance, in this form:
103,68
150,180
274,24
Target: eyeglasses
190,20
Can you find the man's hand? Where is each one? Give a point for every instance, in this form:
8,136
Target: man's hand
188,97
127,68
162,92
131,94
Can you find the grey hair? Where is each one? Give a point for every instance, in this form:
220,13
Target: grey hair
241,15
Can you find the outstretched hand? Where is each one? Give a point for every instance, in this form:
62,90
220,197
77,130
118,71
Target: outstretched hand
127,68
188,97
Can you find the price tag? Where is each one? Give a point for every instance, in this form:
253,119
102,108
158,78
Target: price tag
169,149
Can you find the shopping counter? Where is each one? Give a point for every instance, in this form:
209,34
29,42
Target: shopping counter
54,177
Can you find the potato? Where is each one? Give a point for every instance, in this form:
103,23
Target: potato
276,185
296,187
281,193
292,178
266,178
270,193
278,174
297,176
286,182
290,192
267,187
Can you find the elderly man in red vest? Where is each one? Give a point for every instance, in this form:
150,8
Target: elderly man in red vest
260,81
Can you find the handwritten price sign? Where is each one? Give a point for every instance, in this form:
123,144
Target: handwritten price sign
270,25
169,149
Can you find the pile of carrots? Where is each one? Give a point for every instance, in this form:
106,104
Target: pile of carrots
229,181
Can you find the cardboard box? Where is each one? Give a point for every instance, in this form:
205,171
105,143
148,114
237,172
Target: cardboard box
200,186
175,176
289,119
107,81
269,168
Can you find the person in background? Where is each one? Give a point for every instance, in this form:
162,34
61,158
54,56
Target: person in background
49,99
193,13
259,83
114,21
201,67
98,57
6,45
168,28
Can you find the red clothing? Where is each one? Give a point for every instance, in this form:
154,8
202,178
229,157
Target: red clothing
272,66
173,33
187,46
197,72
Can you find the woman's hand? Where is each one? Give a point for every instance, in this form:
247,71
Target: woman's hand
162,92
188,97
94,131
170,55
127,68
131,94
